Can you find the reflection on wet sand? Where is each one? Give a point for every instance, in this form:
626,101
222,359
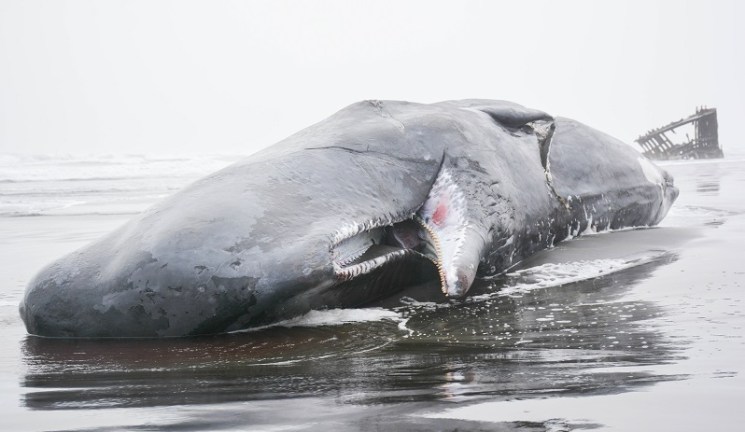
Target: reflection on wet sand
708,180
568,339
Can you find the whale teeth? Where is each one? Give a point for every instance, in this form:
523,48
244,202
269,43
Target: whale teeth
365,267
437,252
355,228
443,216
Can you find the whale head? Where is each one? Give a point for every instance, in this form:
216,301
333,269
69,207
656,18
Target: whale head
309,222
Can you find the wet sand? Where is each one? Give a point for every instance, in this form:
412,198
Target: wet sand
629,330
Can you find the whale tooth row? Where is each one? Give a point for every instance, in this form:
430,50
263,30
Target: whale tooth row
365,267
443,217
437,260
351,258
349,250
354,228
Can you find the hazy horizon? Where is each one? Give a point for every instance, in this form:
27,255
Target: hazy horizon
186,77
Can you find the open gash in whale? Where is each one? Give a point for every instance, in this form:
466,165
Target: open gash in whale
380,196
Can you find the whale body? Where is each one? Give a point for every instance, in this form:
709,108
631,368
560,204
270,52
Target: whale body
380,196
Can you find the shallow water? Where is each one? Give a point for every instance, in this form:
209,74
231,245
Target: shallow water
629,330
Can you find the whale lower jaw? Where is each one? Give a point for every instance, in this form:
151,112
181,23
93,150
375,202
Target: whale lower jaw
370,250
367,266
435,231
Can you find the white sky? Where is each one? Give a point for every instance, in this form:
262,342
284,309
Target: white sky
189,77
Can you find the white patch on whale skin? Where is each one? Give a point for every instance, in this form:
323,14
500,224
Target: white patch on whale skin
656,176
651,172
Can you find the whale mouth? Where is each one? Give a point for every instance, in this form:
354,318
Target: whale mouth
436,231
371,249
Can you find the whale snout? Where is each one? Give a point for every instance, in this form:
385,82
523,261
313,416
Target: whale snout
94,293
45,312
68,299
61,301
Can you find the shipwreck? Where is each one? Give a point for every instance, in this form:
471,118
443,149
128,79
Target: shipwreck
674,141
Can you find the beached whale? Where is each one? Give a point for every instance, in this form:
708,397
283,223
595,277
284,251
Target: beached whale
380,196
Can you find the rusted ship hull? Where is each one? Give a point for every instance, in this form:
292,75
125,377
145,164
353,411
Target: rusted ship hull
660,143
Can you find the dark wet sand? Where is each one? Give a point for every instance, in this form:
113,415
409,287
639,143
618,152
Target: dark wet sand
631,330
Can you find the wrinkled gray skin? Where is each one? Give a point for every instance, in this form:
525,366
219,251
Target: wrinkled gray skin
257,242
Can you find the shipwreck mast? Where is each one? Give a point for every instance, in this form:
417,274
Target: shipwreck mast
704,145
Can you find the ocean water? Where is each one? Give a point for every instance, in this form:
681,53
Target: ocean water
57,185
630,330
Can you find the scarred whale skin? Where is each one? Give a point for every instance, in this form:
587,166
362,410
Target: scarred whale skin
377,197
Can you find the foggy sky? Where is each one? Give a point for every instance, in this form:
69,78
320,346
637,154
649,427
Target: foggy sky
170,77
